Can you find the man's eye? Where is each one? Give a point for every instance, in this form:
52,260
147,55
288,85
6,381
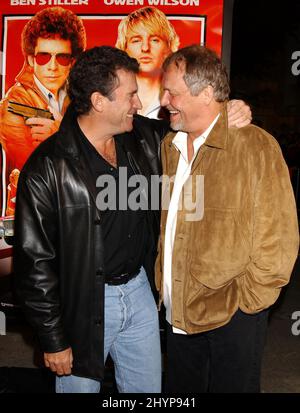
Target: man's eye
135,40
155,39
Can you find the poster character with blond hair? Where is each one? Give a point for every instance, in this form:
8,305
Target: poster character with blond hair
147,35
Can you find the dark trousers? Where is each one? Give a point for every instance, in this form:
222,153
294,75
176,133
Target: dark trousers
224,360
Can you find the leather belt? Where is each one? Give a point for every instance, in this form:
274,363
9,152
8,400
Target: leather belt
120,279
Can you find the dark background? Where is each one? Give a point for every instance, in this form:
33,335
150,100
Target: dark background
265,34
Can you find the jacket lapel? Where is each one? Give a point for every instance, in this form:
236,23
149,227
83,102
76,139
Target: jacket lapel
69,147
216,139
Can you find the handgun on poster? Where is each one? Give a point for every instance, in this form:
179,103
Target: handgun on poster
28,111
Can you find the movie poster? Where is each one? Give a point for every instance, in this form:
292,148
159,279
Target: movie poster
35,66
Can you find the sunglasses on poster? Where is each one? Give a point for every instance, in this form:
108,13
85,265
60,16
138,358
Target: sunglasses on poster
42,58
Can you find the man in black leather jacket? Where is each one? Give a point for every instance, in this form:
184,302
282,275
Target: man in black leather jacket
67,251
78,261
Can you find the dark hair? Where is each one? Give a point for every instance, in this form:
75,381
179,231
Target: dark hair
202,67
51,22
96,71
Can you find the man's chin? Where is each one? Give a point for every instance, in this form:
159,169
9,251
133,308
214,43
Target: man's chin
129,129
53,86
150,70
176,126
129,125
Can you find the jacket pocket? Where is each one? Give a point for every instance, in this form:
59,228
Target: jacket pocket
219,250
212,280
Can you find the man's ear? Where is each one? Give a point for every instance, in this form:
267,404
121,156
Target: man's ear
97,101
30,59
208,94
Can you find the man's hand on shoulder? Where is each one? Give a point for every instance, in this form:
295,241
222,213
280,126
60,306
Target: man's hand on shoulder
239,114
61,362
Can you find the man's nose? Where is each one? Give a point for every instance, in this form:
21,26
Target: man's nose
137,103
145,45
53,63
164,98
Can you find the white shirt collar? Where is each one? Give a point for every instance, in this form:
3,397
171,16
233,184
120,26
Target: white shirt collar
180,139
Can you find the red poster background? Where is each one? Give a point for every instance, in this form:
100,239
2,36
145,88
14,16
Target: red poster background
99,30
106,31
198,21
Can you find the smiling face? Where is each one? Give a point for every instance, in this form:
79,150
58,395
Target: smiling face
123,104
185,109
52,74
149,49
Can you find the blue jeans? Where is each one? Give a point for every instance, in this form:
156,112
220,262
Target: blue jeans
131,337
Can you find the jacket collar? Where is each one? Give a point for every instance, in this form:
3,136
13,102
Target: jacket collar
218,137
67,145
25,76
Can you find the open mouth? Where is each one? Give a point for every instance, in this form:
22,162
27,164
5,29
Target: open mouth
173,113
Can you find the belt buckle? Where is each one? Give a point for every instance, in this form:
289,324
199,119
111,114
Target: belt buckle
123,278
118,279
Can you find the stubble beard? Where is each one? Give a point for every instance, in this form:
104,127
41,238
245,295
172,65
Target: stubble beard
177,126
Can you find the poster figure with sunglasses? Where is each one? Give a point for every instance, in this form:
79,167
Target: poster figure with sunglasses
50,42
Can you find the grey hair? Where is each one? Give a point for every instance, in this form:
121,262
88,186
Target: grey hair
202,68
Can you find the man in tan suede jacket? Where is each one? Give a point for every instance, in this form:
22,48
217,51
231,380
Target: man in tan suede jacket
229,235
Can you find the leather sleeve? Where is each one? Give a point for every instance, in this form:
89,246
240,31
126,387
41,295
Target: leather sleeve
36,264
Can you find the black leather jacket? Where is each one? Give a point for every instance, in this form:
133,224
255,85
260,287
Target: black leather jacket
58,254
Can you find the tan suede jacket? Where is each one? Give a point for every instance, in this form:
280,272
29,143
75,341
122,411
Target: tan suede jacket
242,252
15,136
